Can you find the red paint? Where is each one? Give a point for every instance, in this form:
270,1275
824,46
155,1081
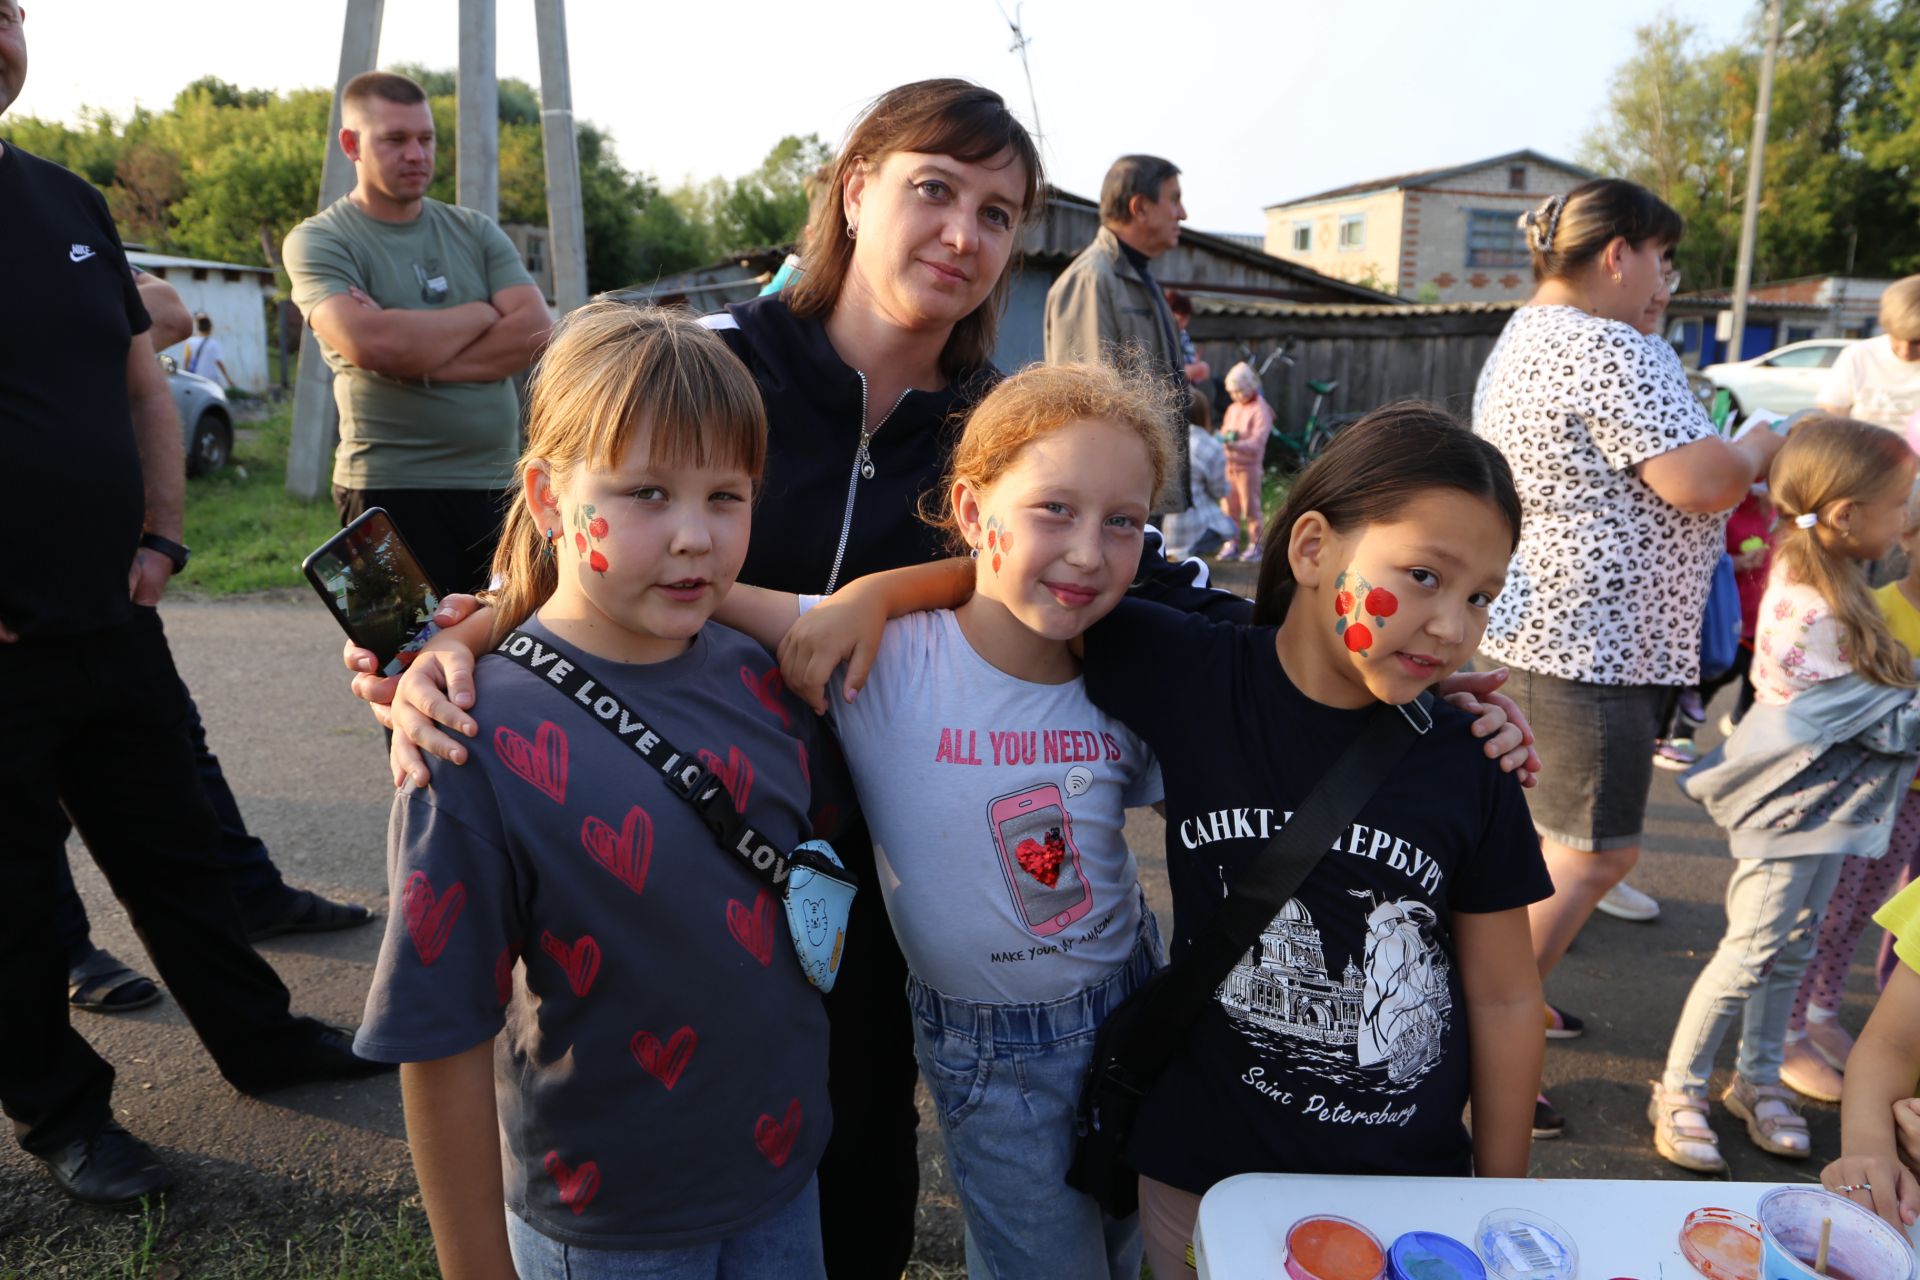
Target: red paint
1381,604
580,960
430,916
991,538
752,927
664,1061
766,689
543,762
1358,638
1343,603
1006,544
1042,861
597,526
626,853
736,773
596,562
996,562
578,1186
580,541
1331,1248
775,1137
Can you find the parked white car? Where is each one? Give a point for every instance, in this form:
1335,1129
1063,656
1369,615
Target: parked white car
1786,379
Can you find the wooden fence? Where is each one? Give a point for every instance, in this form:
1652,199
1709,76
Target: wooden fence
1376,354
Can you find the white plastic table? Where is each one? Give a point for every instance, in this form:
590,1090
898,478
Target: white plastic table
1621,1227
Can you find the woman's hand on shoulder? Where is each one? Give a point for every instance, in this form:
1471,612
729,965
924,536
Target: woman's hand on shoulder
1507,736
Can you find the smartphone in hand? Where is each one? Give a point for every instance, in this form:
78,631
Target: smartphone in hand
376,589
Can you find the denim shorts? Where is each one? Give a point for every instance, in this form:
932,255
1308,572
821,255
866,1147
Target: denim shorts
1596,756
1005,1080
785,1245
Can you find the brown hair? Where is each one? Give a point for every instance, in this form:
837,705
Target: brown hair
1900,309
1568,232
610,371
937,117
1041,399
1179,303
387,86
1370,473
1199,409
1132,176
1827,461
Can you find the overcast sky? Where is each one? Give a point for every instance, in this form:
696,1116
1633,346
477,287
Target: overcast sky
1258,101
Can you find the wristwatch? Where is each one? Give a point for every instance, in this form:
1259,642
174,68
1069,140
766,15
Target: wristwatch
168,548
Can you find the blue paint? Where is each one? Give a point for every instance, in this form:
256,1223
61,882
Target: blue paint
1428,1255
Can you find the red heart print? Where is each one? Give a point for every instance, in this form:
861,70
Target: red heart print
430,916
664,1062
580,959
578,1186
625,854
543,762
766,689
775,1137
752,927
1042,861
806,765
503,972
737,773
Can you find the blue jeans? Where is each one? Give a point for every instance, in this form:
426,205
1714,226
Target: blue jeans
1774,906
1005,1080
786,1245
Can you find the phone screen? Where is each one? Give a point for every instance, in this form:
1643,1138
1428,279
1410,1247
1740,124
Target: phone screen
1047,879
377,590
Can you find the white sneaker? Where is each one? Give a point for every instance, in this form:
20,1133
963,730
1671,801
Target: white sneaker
1624,902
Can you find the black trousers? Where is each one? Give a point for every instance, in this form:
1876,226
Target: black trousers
870,1174
249,867
452,531
96,725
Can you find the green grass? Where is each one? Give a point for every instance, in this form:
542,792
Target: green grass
357,1246
247,532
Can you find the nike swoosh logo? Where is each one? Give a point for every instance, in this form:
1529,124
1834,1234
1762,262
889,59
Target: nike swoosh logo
79,253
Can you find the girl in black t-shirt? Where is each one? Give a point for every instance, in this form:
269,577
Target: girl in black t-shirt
1398,985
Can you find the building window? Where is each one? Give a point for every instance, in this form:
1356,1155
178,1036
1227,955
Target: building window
1353,231
1494,239
1303,237
1516,177
536,254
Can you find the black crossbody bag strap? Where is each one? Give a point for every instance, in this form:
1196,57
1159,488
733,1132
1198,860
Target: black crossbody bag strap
1273,877
684,775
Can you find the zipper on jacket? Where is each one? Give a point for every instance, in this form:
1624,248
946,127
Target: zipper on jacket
862,469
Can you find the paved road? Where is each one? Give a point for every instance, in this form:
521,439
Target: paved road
306,762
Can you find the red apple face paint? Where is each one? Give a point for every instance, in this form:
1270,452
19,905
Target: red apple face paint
589,528
999,542
1361,610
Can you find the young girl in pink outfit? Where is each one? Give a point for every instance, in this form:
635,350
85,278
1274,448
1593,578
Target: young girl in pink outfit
1245,427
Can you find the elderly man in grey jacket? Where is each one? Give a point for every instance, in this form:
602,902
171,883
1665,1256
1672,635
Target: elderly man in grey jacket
1107,306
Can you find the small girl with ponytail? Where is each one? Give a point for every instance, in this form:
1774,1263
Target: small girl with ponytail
1813,773
661,1084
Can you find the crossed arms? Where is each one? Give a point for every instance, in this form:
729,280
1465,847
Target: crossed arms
473,342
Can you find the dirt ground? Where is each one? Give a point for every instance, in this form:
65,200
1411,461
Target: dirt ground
306,763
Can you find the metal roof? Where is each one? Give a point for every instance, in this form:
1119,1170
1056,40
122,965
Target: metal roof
1217,305
1425,177
142,258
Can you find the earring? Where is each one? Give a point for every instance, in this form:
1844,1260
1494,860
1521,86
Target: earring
550,552
851,234
974,554
1617,277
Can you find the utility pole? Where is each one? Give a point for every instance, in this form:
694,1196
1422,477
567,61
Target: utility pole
477,157
1020,42
315,420
566,224
1756,159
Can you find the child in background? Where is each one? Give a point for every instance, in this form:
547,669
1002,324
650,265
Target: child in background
1817,1045
1749,542
1244,428
1204,527
1812,775
1879,1116
658,1103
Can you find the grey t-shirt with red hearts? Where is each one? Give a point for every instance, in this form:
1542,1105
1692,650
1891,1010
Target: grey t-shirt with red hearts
662,1077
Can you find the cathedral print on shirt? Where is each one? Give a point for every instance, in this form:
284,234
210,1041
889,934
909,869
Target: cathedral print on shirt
1378,1027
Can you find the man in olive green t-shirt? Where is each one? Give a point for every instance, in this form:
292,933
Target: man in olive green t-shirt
424,313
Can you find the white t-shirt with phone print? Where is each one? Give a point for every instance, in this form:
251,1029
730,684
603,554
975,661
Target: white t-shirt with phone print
998,815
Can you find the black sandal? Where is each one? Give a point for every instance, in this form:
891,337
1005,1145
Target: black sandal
101,984
304,911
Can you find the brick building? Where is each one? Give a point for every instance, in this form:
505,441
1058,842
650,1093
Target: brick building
1440,235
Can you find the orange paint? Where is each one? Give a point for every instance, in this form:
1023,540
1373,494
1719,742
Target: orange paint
1721,1245
1332,1249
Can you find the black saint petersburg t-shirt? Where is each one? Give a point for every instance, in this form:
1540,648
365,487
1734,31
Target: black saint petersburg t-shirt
1339,1044
72,309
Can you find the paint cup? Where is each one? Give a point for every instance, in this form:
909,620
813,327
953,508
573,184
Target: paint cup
1721,1244
1324,1247
1520,1245
1428,1255
1862,1246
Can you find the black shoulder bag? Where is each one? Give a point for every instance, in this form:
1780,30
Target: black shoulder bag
1138,1039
